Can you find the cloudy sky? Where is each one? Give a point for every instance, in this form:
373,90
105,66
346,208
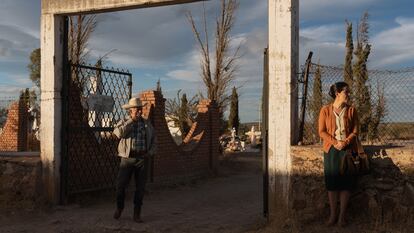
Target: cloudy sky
157,43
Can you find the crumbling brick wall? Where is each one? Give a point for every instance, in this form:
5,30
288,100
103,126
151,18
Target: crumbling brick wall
94,164
198,154
14,134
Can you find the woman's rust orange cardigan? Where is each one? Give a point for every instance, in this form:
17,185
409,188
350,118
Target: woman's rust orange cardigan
327,127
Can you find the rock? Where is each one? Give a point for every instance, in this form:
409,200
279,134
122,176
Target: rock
371,192
385,184
372,203
299,204
408,195
382,163
388,204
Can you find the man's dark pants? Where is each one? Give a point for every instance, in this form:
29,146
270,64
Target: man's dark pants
129,166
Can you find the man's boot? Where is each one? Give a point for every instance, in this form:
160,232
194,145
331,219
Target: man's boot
137,214
117,213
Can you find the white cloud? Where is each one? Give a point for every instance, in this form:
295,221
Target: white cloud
326,33
390,47
333,9
394,45
185,75
22,15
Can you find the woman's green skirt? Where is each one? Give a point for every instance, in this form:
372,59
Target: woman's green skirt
333,180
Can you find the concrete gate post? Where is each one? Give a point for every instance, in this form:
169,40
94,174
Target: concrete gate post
51,103
282,107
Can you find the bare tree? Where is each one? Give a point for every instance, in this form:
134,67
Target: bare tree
80,29
218,77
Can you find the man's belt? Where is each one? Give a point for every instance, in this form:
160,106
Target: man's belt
136,154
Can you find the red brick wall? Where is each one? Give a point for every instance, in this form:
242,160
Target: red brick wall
94,164
198,154
14,134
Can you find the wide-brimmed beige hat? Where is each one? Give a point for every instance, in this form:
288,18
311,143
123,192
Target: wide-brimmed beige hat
133,103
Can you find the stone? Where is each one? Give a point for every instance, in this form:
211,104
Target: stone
372,203
388,204
408,195
385,184
299,204
371,192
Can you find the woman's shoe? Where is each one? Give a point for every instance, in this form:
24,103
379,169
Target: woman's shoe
342,223
117,213
331,221
137,215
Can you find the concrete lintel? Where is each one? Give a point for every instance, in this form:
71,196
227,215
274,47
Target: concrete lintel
282,107
100,6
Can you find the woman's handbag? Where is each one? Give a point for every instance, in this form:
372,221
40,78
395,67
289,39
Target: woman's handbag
363,159
355,163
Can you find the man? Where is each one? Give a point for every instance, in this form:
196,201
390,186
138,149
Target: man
136,145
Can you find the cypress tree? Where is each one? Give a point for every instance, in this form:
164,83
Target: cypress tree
378,113
183,116
348,74
362,91
234,120
158,88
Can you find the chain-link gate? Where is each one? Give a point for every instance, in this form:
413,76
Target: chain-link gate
92,106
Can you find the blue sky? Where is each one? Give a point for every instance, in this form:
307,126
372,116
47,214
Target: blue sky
157,43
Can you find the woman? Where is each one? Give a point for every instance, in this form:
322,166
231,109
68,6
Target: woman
338,128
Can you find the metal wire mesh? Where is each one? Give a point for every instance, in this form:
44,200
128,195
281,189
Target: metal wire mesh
91,161
391,89
5,102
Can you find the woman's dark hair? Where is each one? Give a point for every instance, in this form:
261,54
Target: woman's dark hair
336,88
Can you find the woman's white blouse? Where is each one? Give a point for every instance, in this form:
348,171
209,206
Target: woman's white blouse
340,127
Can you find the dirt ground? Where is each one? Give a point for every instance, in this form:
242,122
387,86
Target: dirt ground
230,202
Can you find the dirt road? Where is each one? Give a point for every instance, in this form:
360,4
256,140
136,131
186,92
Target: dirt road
230,202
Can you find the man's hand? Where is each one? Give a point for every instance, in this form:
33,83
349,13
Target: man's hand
340,145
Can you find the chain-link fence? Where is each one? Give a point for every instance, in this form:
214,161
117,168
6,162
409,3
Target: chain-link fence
5,102
384,103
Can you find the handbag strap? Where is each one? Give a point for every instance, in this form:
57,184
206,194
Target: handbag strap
359,146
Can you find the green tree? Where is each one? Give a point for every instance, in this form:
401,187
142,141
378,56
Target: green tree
362,91
234,120
175,111
34,67
317,99
379,113
158,88
185,122
348,74
3,116
29,97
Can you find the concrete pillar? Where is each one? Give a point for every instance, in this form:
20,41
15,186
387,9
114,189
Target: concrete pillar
282,108
51,102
